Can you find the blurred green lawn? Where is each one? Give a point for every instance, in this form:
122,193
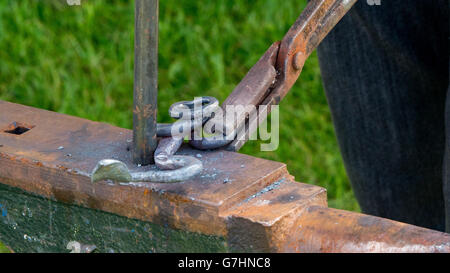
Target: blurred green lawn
3,249
78,60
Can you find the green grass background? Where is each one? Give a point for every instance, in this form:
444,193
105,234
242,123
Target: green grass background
78,60
3,249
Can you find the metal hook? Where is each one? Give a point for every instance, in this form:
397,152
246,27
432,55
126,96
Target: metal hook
208,106
109,169
172,168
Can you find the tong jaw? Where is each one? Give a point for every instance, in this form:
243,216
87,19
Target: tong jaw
312,26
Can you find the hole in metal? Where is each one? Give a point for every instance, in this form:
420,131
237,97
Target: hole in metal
17,128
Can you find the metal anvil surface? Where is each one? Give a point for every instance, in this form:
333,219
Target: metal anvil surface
252,204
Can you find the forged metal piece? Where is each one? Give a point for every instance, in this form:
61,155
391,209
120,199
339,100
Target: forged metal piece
208,106
209,143
145,81
184,127
205,107
110,169
165,129
117,171
172,168
216,141
167,147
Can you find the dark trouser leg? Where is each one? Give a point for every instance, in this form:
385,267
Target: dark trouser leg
447,152
447,164
385,73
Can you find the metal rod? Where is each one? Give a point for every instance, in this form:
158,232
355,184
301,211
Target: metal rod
145,81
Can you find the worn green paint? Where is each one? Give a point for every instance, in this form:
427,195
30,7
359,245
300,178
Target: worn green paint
30,223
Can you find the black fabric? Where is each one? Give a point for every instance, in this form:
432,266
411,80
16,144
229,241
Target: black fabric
385,71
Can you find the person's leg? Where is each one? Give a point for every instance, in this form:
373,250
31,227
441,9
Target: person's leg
447,152
447,164
385,73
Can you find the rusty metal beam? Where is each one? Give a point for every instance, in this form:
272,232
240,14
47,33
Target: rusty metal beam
309,226
145,81
56,157
322,229
254,203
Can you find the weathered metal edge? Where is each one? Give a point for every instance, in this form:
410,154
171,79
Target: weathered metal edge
32,168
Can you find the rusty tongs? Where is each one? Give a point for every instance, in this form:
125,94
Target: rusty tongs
271,78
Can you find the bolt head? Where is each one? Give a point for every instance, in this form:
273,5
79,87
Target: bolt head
298,61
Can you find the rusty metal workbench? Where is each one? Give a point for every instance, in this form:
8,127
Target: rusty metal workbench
238,203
